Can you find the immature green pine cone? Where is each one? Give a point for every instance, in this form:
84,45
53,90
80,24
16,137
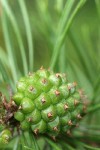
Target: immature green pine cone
48,103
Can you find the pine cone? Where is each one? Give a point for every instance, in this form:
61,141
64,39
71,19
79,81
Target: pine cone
48,103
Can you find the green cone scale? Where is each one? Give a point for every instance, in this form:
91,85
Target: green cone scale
48,103
5,136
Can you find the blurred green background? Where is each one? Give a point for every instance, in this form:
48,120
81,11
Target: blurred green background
57,34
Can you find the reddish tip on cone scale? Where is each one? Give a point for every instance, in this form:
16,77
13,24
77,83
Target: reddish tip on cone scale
13,103
57,75
29,119
36,131
43,100
70,123
74,83
66,107
79,116
50,115
41,68
69,87
44,81
20,107
76,102
55,129
53,137
57,93
31,88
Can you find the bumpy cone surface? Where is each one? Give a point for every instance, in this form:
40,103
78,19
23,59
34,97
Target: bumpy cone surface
48,103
